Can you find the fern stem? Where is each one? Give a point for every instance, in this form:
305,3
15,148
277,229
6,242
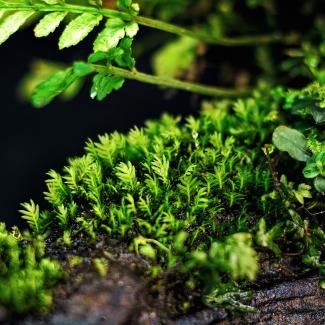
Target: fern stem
223,41
155,24
173,83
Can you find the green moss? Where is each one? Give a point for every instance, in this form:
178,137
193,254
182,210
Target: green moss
182,194
26,277
194,197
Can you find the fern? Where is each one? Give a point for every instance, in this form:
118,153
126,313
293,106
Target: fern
112,59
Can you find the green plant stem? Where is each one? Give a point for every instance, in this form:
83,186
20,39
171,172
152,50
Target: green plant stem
172,83
224,41
153,23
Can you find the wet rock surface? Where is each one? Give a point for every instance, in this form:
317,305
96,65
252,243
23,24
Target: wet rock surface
123,296
296,302
104,301
120,300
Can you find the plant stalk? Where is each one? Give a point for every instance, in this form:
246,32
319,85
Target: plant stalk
155,24
173,83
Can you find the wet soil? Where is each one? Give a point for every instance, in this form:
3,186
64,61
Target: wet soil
126,295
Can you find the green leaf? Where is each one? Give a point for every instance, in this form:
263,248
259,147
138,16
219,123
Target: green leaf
291,141
104,84
148,250
110,36
52,87
267,239
175,57
318,114
123,54
127,5
49,23
124,4
302,192
78,29
98,56
321,157
115,30
82,69
52,2
311,171
131,29
97,3
10,24
241,256
319,183
2,12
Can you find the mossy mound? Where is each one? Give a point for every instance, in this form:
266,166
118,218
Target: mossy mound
26,276
194,198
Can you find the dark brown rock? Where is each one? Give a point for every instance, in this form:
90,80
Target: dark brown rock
297,302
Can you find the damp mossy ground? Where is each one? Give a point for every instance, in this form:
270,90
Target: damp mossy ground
193,197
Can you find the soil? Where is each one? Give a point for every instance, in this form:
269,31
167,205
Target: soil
126,295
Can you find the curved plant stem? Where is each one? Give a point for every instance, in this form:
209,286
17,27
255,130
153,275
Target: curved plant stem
173,83
153,23
224,41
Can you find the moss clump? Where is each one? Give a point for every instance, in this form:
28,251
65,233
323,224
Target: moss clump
184,195
195,198
26,277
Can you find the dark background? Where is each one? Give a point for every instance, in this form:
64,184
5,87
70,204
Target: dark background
33,141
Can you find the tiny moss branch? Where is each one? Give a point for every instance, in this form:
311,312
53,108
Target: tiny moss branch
155,24
173,83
